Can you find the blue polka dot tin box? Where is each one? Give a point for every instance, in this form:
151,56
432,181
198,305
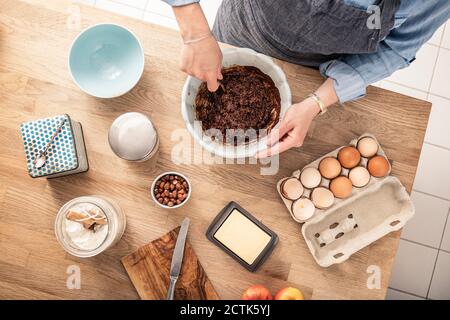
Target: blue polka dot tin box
54,147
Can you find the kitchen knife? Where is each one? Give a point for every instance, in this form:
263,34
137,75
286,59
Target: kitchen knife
177,258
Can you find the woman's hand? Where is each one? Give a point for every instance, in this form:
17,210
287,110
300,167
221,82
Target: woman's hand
201,56
296,122
203,60
293,128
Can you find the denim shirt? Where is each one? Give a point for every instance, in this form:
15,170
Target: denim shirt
415,23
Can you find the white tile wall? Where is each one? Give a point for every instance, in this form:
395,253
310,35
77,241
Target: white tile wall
441,80
438,131
119,8
433,173
419,74
441,278
431,214
408,91
416,273
413,268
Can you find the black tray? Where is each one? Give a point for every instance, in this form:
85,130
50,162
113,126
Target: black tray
220,219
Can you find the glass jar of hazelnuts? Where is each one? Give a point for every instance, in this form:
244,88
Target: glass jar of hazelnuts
170,190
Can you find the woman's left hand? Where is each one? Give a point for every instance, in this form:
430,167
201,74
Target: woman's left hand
293,128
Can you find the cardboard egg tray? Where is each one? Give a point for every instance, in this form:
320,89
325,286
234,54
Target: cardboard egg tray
350,224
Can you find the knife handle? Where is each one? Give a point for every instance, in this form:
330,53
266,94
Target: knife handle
171,291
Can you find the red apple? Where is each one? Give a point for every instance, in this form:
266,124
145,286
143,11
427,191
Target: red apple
257,292
289,293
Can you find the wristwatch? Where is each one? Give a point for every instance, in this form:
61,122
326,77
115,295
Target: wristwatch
316,98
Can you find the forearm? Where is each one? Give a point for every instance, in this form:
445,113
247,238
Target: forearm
192,21
327,93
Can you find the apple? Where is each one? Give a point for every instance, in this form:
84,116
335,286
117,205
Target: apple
289,293
257,292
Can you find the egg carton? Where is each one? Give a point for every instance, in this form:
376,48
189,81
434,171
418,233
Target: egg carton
326,182
369,213
357,222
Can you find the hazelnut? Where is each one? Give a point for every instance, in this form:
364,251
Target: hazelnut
170,204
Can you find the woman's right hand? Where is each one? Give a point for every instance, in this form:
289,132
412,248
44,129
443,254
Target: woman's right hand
203,60
201,56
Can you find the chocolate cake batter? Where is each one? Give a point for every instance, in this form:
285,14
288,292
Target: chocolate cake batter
247,99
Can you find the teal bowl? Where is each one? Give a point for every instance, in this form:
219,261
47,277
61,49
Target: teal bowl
106,60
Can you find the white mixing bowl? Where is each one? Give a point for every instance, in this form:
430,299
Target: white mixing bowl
243,57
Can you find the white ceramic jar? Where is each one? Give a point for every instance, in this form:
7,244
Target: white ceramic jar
133,137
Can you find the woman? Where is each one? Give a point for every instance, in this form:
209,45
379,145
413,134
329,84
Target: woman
353,42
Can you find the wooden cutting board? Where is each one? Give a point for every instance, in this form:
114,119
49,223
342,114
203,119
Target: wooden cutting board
149,268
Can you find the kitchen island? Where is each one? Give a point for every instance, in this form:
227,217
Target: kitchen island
35,37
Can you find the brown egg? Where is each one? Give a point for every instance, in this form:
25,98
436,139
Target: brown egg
330,168
378,166
341,187
349,157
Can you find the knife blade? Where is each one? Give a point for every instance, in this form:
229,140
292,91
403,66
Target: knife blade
177,258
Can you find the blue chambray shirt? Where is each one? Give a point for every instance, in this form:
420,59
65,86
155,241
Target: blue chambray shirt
415,23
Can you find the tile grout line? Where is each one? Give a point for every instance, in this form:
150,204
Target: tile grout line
145,9
437,146
409,293
432,273
443,233
437,256
433,72
444,25
431,195
420,244
413,88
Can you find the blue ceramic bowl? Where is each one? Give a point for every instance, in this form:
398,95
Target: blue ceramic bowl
106,60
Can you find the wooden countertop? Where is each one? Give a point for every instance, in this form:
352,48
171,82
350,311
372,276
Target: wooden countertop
35,37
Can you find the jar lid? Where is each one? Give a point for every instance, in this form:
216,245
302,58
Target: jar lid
132,136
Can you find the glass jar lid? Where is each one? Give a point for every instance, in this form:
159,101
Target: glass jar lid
132,136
